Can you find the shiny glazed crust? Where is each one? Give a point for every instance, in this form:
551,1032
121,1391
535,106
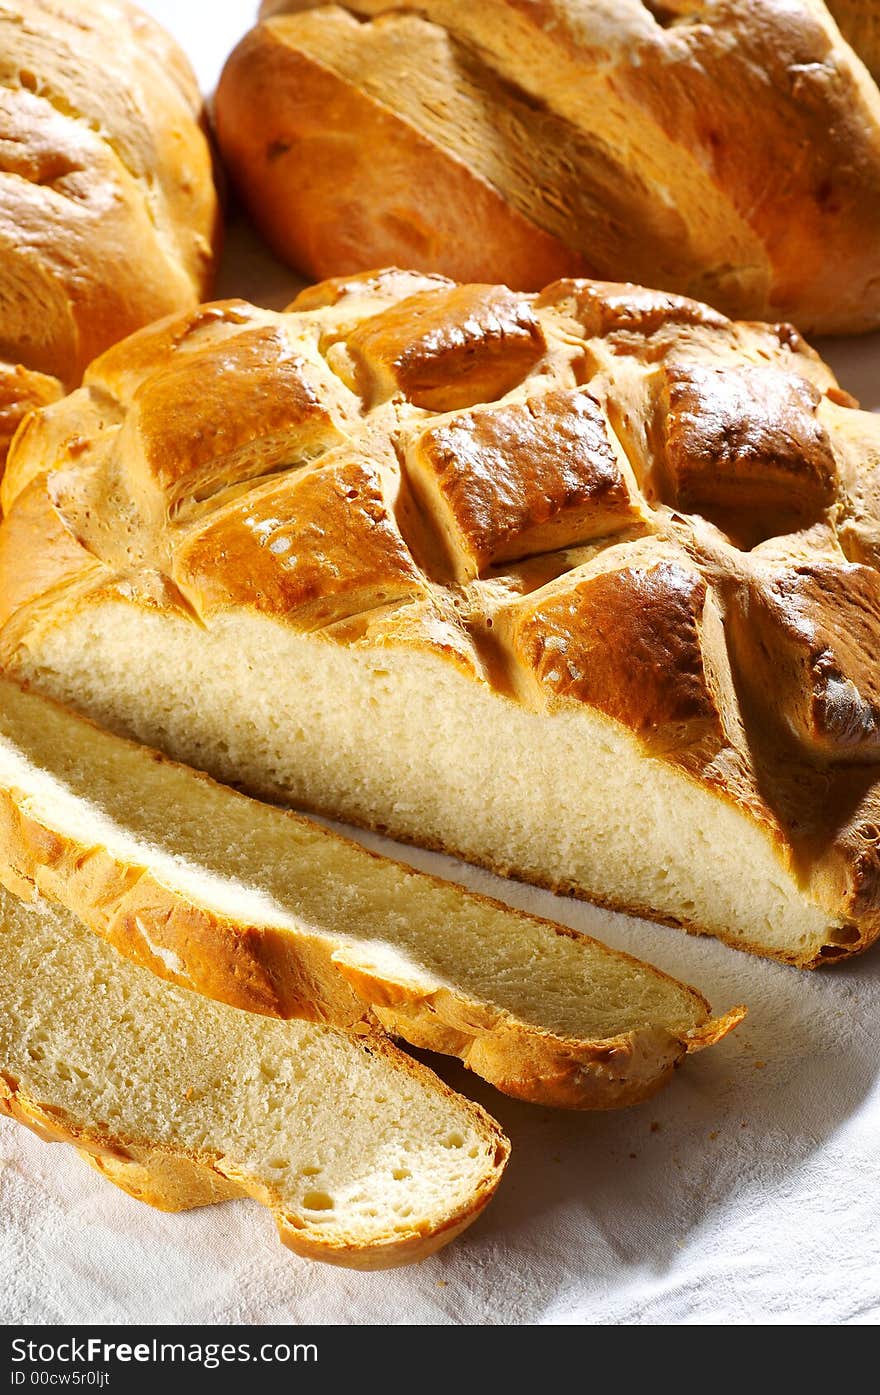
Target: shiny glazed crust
697,569
108,213
283,973
727,150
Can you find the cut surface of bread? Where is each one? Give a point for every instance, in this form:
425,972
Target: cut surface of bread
724,149
581,586
273,913
361,1154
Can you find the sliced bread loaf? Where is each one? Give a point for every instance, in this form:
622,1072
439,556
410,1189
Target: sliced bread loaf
362,1155
271,912
581,586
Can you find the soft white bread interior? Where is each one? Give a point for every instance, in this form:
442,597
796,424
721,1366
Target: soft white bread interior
273,913
362,1155
583,586
421,751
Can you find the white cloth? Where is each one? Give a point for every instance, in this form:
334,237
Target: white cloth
748,1191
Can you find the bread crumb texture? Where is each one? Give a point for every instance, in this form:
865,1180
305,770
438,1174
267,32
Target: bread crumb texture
362,1155
580,585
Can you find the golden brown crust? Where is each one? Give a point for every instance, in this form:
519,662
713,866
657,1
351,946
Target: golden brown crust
745,443
604,309
300,142
158,1180
207,420
728,151
108,212
858,513
531,477
810,637
383,286
449,348
21,392
484,427
563,1073
321,544
33,574
122,369
626,642
859,22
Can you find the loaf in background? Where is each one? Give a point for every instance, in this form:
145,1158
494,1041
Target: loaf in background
728,151
109,216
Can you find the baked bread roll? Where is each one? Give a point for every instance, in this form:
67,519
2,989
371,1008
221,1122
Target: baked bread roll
580,585
361,1154
108,212
275,914
729,151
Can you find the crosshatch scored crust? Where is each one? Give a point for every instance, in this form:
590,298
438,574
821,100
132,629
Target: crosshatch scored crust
640,669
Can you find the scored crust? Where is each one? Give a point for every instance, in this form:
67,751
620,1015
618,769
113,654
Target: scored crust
728,653
109,216
728,150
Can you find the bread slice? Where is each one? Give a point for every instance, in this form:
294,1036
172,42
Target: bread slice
361,1154
270,912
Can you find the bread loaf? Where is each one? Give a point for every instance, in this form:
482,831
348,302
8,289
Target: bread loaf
581,586
725,149
108,213
277,915
361,1154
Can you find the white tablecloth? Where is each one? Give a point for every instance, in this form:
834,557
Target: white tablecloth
749,1191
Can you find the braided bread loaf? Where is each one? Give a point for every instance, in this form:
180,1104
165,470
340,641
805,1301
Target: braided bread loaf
725,149
581,586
